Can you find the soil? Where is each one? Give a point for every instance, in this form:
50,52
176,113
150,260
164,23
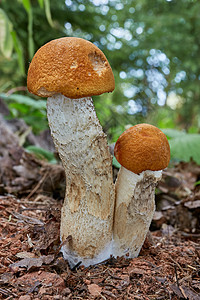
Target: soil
32,266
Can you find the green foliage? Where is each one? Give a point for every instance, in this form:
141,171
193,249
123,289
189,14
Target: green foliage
6,43
184,146
48,12
28,8
115,163
152,46
11,35
173,133
42,154
31,111
19,51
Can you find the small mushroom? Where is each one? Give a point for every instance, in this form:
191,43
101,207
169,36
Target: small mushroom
69,71
143,152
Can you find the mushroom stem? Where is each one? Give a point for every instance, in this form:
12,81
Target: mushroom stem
134,209
87,213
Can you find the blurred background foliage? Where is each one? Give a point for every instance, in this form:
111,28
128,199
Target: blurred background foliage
153,48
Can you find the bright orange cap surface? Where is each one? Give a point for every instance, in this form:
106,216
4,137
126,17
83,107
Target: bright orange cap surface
142,147
71,66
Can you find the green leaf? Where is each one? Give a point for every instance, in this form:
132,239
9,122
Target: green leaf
27,5
42,153
48,12
19,51
41,3
115,163
39,104
6,43
28,8
173,133
186,147
21,108
30,34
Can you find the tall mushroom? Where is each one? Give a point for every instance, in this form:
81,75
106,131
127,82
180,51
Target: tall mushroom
69,71
143,151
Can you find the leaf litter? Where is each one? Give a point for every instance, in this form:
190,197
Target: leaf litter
32,267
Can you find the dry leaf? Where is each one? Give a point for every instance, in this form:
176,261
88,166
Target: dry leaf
94,289
25,255
192,204
32,262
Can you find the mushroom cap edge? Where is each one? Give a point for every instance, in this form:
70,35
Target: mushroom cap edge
71,66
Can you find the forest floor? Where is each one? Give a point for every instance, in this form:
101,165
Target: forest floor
32,266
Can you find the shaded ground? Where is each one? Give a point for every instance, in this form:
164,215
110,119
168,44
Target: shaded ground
31,266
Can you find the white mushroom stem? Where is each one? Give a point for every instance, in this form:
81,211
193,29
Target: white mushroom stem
134,210
87,213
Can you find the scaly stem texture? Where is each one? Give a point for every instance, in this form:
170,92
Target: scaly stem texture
134,210
87,213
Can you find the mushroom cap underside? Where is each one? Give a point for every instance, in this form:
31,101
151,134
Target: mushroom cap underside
142,147
71,66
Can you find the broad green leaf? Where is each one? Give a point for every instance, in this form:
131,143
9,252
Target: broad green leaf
19,50
6,43
48,12
42,153
19,107
186,147
39,104
173,133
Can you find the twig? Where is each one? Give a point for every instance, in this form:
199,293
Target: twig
176,264
176,276
32,202
110,294
34,208
177,281
191,267
16,89
76,266
190,235
27,219
183,293
37,186
6,292
102,296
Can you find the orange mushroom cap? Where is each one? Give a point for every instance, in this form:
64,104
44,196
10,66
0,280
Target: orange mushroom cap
142,147
71,66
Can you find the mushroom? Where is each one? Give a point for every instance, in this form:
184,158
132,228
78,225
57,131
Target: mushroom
143,152
69,71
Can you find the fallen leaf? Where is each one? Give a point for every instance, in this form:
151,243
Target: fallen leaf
176,290
188,293
25,255
192,204
47,235
32,262
47,279
94,289
25,297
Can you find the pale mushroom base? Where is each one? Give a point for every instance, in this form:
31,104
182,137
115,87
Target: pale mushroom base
74,259
87,213
134,210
